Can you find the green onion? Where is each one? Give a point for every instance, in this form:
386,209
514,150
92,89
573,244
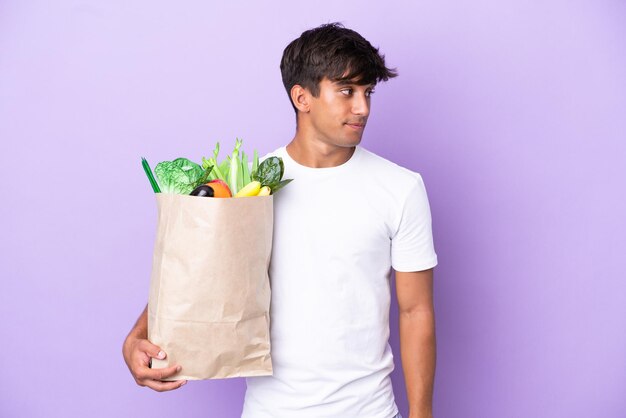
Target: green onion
153,182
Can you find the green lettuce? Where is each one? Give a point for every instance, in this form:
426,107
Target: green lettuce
178,176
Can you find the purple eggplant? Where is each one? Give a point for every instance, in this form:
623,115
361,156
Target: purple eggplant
203,191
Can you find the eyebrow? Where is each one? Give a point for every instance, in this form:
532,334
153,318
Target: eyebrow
352,82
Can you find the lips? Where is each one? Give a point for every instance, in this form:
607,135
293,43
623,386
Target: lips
356,126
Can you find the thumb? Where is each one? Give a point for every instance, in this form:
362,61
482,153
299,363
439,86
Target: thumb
155,351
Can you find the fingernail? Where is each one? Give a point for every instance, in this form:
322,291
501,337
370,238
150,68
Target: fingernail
161,354
178,368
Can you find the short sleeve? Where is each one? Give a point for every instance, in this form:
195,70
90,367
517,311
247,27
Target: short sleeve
412,247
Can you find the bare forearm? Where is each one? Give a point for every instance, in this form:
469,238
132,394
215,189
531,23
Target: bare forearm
140,329
418,353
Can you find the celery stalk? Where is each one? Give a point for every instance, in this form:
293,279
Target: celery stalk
255,164
225,169
235,167
217,172
245,170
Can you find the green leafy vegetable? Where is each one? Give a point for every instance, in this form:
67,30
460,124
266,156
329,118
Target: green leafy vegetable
205,177
178,176
270,173
182,176
280,185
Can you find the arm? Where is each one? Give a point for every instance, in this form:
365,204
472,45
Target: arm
138,351
417,339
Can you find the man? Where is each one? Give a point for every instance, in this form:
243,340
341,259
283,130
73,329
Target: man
348,217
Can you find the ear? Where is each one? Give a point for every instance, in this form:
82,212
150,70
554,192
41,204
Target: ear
301,98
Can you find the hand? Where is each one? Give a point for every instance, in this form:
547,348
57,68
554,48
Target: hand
137,354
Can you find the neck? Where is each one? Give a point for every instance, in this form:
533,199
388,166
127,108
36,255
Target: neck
314,153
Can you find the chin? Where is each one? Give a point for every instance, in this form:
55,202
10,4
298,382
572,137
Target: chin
347,144
344,142
354,143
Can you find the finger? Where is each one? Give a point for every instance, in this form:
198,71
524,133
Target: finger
152,350
159,374
164,386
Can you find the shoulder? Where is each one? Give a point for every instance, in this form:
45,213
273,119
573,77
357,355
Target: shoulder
391,175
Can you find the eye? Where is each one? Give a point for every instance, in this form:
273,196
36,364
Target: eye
346,92
369,93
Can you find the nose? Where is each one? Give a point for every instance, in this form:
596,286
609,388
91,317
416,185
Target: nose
361,105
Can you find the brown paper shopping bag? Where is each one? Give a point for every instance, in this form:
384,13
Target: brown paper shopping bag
209,300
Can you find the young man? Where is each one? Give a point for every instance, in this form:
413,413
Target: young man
345,221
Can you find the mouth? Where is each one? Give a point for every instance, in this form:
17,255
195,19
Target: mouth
356,126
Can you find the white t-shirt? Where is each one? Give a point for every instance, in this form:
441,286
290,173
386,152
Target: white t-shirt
338,231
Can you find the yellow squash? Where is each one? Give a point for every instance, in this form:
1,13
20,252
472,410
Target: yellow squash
265,191
250,189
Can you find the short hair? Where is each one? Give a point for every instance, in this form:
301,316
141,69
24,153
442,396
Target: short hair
334,52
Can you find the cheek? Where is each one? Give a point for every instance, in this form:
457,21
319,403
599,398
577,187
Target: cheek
329,112
336,110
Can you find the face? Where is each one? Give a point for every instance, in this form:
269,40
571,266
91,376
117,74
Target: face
339,115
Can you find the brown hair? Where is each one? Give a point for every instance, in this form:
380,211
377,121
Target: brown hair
334,52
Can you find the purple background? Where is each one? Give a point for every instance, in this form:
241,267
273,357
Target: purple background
514,113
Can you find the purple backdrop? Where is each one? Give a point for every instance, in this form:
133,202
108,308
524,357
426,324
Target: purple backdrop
514,113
